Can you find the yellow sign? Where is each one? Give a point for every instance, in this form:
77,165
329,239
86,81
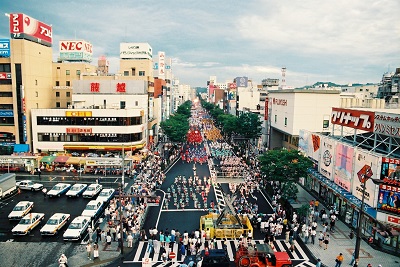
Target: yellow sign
77,113
142,113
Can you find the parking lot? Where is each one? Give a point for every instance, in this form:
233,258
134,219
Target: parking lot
48,206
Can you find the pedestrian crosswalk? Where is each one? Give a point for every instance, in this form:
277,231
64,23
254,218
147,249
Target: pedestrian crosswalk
153,254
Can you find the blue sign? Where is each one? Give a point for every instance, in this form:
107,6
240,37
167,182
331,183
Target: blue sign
6,113
25,130
4,47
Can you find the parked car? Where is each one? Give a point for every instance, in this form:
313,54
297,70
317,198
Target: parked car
58,190
106,194
93,208
20,210
92,190
76,190
27,223
55,223
76,228
29,185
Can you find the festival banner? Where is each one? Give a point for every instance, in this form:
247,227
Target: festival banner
343,165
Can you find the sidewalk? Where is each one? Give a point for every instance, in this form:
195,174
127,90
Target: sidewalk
341,243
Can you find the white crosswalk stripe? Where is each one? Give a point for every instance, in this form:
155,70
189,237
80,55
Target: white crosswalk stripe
155,256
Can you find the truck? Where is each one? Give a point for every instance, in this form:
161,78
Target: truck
7,185
261,255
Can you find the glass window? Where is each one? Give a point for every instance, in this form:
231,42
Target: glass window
136,103
126,73
68,83
325,124
57,83
142,73
68,94
285,121
57,94
276,118
122,104
68,104
78,72
67,72
133,71
58,104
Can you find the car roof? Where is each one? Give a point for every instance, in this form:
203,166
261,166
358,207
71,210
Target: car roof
26,181
80,219
93,185
21,203
58,215
62,184
77,185
95,201
27,216
107,189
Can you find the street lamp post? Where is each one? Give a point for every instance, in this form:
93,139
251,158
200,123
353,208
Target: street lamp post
359,223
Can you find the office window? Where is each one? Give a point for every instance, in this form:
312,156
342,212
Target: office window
78,72
67,72
126,73
276,118
122,104
5,67
58,68
6,94
142,73
35,82
68,104
136,103
57,94
58,104
285,121
133,71
68,94
68,83
37,94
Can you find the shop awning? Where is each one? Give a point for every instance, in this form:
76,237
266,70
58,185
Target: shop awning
61,159
73,160
48,159
21,148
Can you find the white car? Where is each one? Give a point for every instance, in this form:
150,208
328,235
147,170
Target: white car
93,208
76,190
92,190
20,210
58,190
27,223
77,228
55,223
106,194
29,185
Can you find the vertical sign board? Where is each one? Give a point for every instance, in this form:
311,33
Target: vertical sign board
327,157
389,192
266,109
4,47
303,141
24,128
25,27
344,165
365,166
161,65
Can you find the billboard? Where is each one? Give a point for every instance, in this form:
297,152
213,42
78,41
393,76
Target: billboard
4,47
389,198
25,27
79,50
161,65
232,95
309,144
5,76
326,160
387,124
356,119
241,81
390,169
365,166
266,109
135,51
343,165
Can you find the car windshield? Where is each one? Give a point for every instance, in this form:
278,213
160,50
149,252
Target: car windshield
75,188
52,221
57,187
25,221
90,207
75,226
104,194
19,208
90,189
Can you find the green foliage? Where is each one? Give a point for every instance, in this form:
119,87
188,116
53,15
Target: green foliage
249,125
229,123
184,109
284,165
303,210
289,190
176,127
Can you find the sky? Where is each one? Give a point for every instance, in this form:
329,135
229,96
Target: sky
340,41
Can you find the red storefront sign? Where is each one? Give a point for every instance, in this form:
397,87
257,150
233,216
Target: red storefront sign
356,119
266,109
78,130
121,87
94,87
392,219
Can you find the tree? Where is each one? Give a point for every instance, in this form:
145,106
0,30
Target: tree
285,166
229,124
249,125
184,109
176,127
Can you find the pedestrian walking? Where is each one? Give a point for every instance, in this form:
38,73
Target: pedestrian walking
108,239
326,241
129,239
44,190
319,263
95,251
150,245
90,232
339,259
313,235
306,236
164,257
63,261
353,259
89,250
98,234
321,238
